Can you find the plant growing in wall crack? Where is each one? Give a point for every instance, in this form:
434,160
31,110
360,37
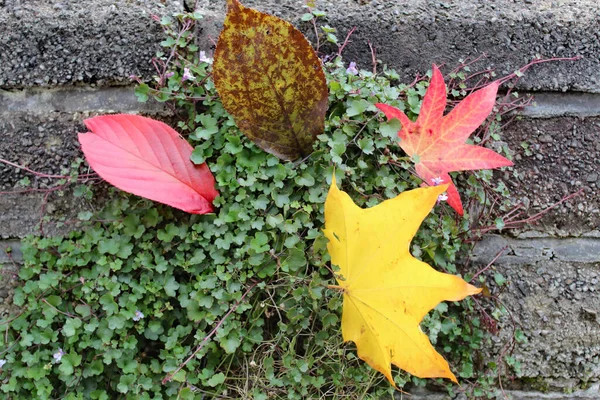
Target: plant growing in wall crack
242,295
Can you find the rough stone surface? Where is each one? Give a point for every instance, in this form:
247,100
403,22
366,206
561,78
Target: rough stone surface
42,142
563,157
553,295
593,392
528,250
410,35
74,100
573,104
25,214
46,43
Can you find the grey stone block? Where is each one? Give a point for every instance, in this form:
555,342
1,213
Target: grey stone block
96,42
410,35
552,105
591,393
39,127
22,214
563,157
75,100
552,294
43,142
521,252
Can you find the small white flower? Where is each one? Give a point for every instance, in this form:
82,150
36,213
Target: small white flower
204,58
138,315
2,362
187,75
437,181
352,69
442,197
58,355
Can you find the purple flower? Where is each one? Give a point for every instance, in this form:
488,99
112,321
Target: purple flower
138,315
437,181
187,75
442,197
352,69
204,58
58,355
2,362
169,74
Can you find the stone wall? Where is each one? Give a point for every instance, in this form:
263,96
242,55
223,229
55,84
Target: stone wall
61,61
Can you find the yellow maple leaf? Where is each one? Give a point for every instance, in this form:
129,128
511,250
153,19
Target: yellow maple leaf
387,291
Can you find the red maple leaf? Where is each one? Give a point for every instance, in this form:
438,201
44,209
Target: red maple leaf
436,143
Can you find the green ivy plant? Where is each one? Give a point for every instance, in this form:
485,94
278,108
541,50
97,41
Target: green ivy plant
111,310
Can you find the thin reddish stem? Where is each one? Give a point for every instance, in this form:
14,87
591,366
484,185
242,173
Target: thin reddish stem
490,263
346,41
39,174
210,335
535,62
533,218
373,57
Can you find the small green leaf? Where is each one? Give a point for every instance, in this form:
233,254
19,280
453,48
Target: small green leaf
85,215
171,286
366,145
499,279
330,320
197,156
65,367
499,222
71,326
260,242
390,128
180,376
125,382
306,179
296,260
356,107
116,322
186,394
216,380
141,92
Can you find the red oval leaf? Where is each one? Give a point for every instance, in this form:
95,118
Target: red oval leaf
148,158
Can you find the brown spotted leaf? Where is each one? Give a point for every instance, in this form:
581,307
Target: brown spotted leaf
270,79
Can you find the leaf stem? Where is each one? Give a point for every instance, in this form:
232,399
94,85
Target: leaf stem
40,174
502,250
210,335
341,48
